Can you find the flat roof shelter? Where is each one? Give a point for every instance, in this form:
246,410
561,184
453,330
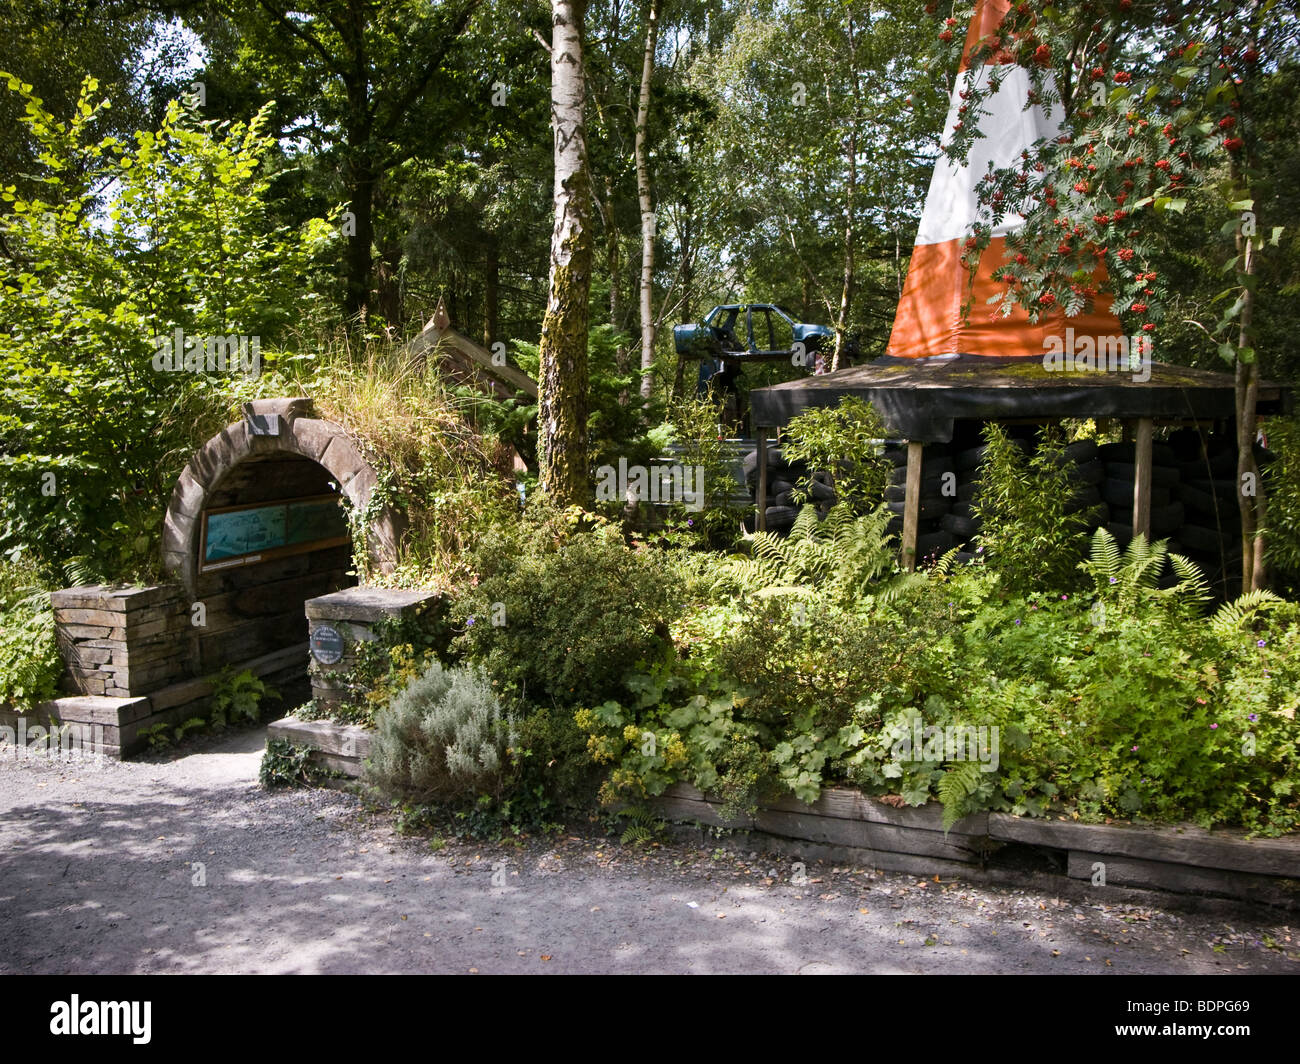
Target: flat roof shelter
920,399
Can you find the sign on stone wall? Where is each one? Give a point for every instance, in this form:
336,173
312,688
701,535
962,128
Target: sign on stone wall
326,644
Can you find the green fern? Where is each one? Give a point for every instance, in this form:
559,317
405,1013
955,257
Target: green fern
1135,574
843,553
1104,554
1232,617
956,786
643,827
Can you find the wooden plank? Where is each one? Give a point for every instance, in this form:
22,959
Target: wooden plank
862,834
85,709
1142,479
849,804
913,864
431,338
912,504
1184,879
760,494
1188,845
675,808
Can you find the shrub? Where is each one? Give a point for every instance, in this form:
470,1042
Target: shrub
1029,537
555,775
843,441
564,608
443,738
30,665
1282,490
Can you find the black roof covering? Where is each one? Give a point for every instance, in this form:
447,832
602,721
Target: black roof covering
920,398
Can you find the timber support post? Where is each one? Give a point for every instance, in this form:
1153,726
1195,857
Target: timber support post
912,504
1142,479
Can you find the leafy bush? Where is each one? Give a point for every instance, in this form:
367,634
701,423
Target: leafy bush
842,440
1028,535
443,738
563,608
30,665
1282,491
286,764
126,242
694,430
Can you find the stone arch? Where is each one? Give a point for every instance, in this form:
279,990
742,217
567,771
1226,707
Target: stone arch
271,426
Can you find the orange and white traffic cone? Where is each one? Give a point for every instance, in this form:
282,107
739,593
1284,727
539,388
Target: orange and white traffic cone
929,319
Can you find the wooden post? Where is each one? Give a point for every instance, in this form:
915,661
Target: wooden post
911,504
1142,479
760,497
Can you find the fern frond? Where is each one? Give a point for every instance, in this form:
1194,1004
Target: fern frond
956,785
1233,616
1104,553
943,567
1192,586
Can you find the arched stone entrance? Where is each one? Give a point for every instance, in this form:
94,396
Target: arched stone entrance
270,427
276,471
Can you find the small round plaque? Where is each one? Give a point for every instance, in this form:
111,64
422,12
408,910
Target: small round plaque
326,644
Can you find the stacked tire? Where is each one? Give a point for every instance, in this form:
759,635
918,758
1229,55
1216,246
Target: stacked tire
1119,460
1211,533
939,493
780,507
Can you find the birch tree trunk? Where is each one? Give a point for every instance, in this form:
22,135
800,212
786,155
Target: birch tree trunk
643,195
562,390
850,193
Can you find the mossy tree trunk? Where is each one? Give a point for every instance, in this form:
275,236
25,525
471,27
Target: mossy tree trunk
562,390
648,323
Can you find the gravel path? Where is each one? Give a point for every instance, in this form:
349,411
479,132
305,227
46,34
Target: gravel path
184,864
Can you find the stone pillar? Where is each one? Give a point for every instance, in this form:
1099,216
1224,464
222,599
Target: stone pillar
122,642
339,622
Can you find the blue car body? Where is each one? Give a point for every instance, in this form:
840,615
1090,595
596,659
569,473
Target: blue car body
748,331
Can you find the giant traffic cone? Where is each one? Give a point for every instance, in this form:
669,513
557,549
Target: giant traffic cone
929,319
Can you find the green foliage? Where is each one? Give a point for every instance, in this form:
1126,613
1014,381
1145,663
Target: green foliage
693,428
554,777
642,826
92,435
286,764
844,555
1121,580
443,738
843,440
1235,617
1028,535
580,609
237,697
1281,480
440,463
158,736
30,665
